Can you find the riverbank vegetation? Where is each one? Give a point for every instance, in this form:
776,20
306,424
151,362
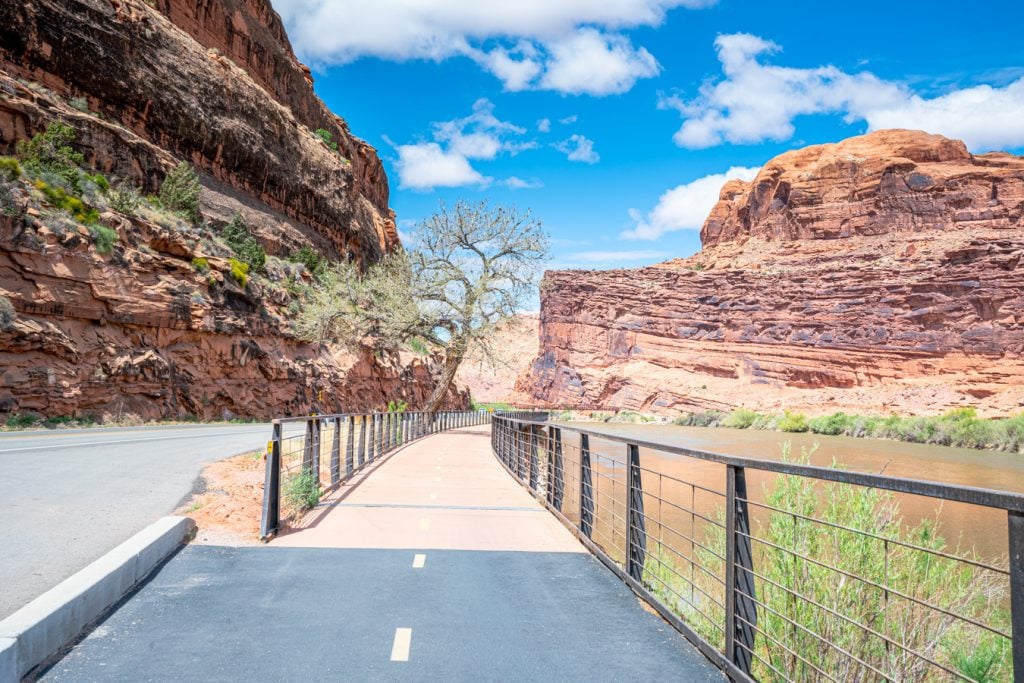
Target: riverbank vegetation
960,427
846,590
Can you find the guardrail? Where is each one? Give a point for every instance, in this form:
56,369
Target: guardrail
815,578
303,465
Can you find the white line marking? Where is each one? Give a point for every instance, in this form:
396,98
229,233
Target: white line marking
424,523
400,648
418,560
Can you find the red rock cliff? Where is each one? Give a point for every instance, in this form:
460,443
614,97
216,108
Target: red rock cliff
156,325
880,274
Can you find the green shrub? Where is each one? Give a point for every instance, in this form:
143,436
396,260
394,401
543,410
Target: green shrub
792,422
326,137
707,418
10,169
100,181
180,192
61,199
741,418
104,238
125,200
201,264
21,421
50,152
241,240
79,103
832,425
239,272
300,491
7,314
310,258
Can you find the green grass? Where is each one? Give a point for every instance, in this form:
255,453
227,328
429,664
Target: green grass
300,491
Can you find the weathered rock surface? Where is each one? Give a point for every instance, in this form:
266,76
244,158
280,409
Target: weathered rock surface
214,83
848,295
142,330
516,344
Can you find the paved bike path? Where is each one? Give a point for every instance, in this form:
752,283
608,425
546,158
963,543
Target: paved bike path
368,590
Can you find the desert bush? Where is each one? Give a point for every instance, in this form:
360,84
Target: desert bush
832,425
60,198
180,192
7,314
51,153
741,418
104,238
201,264
79,103
124,199
245,247
707,418
326,138
239,272
311,259
300,491
10,169
792,422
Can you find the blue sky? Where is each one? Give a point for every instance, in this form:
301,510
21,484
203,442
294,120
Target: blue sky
617,121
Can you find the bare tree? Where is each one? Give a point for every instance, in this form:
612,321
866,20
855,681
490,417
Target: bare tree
467,270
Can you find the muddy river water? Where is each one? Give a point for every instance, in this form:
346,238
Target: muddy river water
965,526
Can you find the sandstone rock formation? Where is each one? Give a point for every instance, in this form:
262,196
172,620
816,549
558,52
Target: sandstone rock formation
516,343
142,330
881,274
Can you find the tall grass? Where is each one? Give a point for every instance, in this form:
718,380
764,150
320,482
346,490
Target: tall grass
852,573
960,427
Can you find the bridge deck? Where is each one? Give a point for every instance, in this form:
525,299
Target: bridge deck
435,565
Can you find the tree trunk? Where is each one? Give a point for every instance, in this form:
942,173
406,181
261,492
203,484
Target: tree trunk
451,366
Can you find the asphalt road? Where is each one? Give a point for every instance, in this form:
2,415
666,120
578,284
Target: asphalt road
326,614
69,496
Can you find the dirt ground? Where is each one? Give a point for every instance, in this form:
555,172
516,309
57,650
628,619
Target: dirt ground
227,512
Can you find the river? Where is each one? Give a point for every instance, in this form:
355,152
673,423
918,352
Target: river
967,526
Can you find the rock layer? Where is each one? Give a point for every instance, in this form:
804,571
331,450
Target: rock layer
916,306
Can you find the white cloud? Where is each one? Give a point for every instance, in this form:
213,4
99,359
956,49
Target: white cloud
516,183
529,43
544,125
426,165
445,160
684,207
757,101
569,119
579,148
593,63
619,256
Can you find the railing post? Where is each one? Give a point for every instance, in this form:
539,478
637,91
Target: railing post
740,606
336,452
636,534
586,488
362,440
380,433
1015,525
559,482
307,446
521,459
314,449
272,487
350,442
534,469
389,425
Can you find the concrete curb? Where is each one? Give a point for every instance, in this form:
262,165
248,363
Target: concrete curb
54,619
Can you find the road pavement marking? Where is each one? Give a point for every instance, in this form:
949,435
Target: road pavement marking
418,560
424,523
400,648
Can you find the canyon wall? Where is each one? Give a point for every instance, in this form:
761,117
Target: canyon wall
881,274
157,326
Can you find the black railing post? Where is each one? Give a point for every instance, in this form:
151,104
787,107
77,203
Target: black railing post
316,450
350,442
380,433
521,459
336,452
534,468
740,605
272,487
559,483
363,439
307,446
586,488
1015,524
549,441
636,534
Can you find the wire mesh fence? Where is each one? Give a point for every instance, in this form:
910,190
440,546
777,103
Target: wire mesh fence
783,571
308,457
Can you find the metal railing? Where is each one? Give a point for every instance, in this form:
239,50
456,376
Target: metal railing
817,577
308,457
